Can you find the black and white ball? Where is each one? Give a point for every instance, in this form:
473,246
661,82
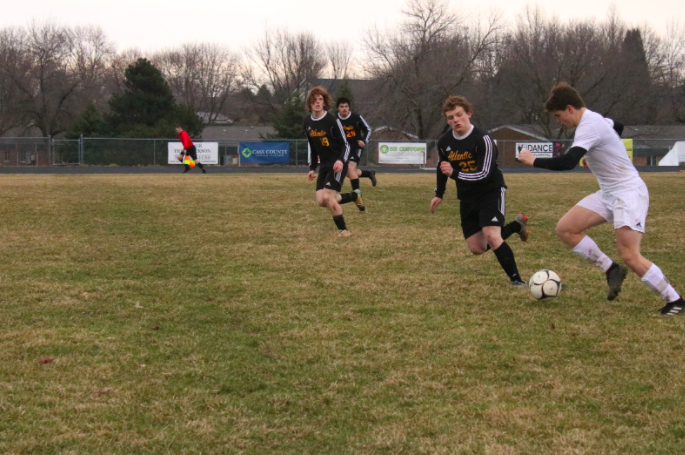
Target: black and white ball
545,284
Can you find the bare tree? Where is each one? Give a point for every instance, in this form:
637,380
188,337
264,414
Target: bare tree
201,76
436,53
57,71
10,95
339,58
283,61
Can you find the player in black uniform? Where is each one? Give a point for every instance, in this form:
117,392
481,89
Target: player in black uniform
328,144
468,155
358,133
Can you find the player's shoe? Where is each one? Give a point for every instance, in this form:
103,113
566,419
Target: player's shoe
674,308
615,276
372,176
517,282
187,169
522,219
359,202
203,171
344,233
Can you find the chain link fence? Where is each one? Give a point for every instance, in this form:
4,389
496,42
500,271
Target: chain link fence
154,152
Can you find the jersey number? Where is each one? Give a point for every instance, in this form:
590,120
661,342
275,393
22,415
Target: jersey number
351,134
467,166
324,141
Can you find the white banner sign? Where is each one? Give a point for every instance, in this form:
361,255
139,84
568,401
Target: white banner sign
402,152
539,149
207,152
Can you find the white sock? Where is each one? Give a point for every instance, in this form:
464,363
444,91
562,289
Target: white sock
588,249
655,279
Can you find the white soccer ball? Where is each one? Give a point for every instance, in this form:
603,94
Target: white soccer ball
545,284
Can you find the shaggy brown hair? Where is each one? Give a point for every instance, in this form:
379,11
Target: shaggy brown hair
561,96
327,101
453,102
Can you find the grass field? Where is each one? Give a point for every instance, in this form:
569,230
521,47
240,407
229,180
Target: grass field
219,314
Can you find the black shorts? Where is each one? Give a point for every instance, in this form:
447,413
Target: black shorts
329,179
355,153
484,210
192,152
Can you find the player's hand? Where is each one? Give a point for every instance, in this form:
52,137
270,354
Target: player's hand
446,168
435,203
310,175
338,166
526,157
361,143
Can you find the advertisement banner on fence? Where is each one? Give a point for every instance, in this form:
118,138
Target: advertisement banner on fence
207,152
402,152
264,152
539,149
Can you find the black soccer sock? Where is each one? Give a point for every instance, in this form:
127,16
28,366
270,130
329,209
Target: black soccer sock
199,165
355,184
506,259
366,174
511,228
187,167
348,197
340,222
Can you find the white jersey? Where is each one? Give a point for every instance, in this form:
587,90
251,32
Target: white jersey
606,155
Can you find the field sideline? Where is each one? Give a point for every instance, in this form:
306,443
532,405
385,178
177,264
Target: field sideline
219,314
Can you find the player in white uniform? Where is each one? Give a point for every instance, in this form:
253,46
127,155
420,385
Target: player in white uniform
623,198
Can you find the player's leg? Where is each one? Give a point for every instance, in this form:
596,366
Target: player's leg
491,219
333,184
353,174
371,175
518,226
192,151
570,230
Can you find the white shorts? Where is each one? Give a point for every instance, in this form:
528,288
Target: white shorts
627,208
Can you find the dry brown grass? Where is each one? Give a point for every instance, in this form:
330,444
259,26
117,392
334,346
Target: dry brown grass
220,314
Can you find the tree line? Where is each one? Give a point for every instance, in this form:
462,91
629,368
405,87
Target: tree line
70,79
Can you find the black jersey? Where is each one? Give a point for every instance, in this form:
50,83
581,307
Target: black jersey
327,141
474,160
356,129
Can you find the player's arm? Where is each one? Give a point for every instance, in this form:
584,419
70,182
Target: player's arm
440,177
617,126
365,130
339,138
313,154
564,162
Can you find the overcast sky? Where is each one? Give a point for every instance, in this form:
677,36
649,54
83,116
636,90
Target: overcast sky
158,24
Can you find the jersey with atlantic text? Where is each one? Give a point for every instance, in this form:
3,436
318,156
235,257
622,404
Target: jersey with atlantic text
356,129
327,141
474,160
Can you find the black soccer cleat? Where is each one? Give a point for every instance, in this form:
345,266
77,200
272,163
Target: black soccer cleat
615,276
372,176
203,171
674,308
517,282
522,219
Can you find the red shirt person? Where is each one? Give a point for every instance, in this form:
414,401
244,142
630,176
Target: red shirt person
188,149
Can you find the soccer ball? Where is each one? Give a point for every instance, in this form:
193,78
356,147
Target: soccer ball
545,284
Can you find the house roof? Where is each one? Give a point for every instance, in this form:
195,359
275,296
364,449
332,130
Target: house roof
534,131
654,132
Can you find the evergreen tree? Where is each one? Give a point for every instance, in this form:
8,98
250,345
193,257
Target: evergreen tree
344,91
90,123
147,107
288,123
